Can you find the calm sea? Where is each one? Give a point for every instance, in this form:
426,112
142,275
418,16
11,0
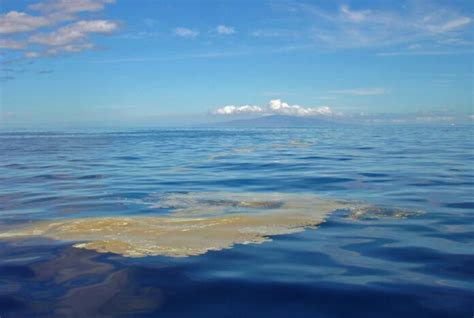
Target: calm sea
419,265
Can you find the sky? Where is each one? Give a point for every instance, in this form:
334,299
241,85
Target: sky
159,62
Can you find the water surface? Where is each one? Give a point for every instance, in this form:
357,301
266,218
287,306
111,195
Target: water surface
383,263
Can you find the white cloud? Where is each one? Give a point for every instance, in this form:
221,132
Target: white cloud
77,31
234,110
225,30
70,6
71,38
53,11
17,22
363,91
278,107
69,48
185,32
275,107
11,44
32,54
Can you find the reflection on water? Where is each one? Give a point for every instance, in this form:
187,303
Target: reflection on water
74,283
386,260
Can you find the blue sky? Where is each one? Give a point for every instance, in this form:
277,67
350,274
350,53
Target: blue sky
162,62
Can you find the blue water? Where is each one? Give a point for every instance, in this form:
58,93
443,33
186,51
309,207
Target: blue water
418,266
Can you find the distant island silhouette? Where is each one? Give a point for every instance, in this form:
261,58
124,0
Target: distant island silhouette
272,121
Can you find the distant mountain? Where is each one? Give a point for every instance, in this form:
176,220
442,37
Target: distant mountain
274,121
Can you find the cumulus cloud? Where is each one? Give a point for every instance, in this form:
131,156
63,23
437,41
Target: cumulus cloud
275,107
11,44
279,107
16,22
73,32
70,6
225,30
24,34
185,32
233,110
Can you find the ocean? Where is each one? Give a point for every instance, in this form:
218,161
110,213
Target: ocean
330,221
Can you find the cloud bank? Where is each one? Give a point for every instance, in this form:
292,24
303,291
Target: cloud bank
274,107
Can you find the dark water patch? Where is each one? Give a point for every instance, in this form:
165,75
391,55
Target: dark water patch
239,166
47,177
456,266
11,305
129,158
16,272
437,183
461,237
86,284
16,166
91,177
314,158
415,200
460,205
325,180
374,174
379,181
324,300
43,199
448,219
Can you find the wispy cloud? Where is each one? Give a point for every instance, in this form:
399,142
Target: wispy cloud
426,53
208,55
10,73
175,57
348,28
275,106
354,16
274,33
185,32
370,91
149,22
